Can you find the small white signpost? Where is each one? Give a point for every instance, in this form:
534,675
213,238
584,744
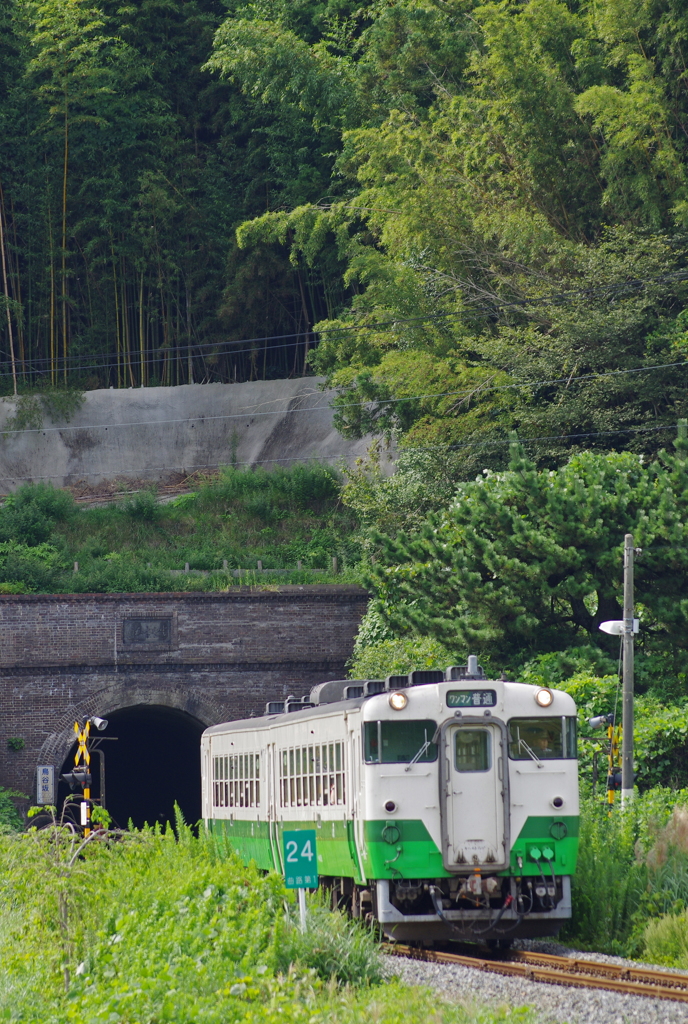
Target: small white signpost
45,784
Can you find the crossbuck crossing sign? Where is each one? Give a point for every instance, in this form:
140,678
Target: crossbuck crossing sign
300,859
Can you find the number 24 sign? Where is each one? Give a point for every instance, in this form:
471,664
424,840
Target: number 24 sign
300,859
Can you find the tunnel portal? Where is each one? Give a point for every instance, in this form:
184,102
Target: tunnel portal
149,759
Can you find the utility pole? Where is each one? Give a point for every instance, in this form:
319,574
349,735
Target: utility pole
627,635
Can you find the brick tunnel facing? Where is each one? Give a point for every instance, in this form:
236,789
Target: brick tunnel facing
152,764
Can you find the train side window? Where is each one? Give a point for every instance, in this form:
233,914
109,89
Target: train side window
472,750
536,739
313,776
571,732
236,780
399,742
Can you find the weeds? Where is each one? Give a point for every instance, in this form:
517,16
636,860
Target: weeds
176,928
632,866
289,520
333,946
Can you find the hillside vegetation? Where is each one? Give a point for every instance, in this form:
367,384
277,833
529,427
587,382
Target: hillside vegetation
237,517
470,216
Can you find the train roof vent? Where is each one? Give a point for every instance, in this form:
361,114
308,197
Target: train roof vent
470,671
274,707
374,686
297,704
354,690
332,690
421,677
395,682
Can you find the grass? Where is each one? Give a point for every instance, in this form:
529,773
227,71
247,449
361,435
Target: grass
155,928
632,869
234,519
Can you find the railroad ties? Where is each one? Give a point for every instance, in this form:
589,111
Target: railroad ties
563,970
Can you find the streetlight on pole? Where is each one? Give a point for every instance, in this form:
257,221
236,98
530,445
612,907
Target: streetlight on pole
626,628
628,681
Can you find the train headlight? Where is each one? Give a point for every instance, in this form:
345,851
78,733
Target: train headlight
398,701
544,697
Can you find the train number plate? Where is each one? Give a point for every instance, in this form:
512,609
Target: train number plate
471,698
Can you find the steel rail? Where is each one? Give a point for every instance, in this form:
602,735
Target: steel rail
562,970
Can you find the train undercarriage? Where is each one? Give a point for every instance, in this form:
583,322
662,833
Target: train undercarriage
473,908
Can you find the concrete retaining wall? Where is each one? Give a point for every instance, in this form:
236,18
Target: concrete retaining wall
153,433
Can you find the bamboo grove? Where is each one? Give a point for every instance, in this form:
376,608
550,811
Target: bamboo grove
124,171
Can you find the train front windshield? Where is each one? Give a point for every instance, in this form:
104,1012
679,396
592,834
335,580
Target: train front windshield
399,742
543,738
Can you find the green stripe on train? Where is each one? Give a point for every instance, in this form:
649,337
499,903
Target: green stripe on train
254,841
397,849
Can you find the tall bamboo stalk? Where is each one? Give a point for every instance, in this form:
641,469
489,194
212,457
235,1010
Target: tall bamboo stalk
65,169
118,335
142,344
53,366
189,356
6,290
15,276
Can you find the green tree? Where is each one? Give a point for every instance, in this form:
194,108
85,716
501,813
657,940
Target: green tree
530,561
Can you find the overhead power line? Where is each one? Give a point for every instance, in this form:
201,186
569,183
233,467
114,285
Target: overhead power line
501,442
466,393
563,297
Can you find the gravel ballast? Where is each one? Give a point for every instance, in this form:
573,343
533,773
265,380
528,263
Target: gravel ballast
552,1004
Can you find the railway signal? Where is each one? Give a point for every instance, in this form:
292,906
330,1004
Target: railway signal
80,778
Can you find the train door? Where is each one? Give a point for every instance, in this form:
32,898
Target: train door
206,782
272,797
355,821
474,803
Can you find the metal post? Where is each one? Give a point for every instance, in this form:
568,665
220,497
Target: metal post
627,739
302,908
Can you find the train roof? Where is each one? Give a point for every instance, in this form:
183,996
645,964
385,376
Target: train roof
319,711
299,710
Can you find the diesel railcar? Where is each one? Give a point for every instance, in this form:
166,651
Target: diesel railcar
445,804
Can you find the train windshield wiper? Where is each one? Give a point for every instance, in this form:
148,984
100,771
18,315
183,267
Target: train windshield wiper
428,743
530,752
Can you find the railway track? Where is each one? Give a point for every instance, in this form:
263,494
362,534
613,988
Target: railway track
562,970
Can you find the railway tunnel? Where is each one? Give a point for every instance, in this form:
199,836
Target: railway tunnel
145,761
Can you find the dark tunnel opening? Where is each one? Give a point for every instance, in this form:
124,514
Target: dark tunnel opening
153,763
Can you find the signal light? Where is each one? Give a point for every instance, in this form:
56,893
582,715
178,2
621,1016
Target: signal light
79,779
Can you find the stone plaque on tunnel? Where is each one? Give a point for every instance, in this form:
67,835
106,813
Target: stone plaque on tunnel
147,631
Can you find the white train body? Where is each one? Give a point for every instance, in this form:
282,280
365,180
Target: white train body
446,809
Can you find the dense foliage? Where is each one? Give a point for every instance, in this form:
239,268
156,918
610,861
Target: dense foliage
482,207
528,561
509,203
153,928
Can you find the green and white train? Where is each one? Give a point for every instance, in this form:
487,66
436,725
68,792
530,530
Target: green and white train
445,805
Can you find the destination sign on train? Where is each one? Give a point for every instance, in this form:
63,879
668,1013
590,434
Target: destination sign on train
471,698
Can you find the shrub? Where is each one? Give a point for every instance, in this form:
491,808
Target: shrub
265,493
607,872
143,507
378,653
666,940
333,946
29,516
10,818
